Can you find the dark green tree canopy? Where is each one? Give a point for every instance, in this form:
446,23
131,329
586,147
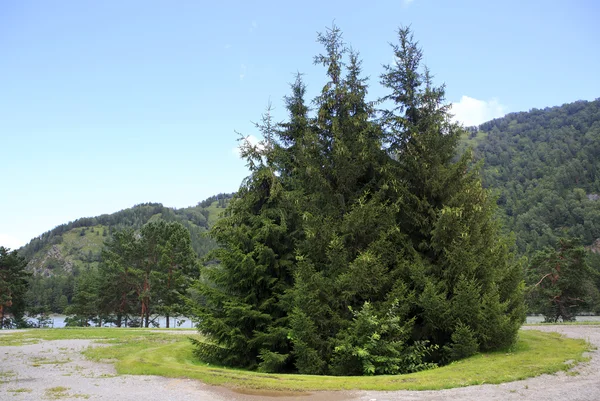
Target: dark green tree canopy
359,244
142,273
545,167
13,285
562,283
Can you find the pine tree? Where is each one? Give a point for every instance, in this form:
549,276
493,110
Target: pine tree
146,272
562,281
116,285
176,269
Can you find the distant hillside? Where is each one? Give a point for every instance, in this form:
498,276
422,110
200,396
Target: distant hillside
544,166
57,256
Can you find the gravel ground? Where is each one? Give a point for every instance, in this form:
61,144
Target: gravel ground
32,372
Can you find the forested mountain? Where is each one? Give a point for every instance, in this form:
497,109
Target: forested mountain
58,256
544,166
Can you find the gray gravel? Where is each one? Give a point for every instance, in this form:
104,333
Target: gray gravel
28,372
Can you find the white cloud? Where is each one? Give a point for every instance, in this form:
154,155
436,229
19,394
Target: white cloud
252,140
470,111
227,46
8,241
253,26
407,2
242,72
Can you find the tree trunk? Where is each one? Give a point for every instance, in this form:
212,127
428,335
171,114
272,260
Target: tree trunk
167,316
1,317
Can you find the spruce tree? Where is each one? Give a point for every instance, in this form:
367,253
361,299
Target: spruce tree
359,244
240,301
458,265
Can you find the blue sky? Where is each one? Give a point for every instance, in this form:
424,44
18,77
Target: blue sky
104,105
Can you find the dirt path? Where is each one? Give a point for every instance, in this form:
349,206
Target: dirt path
40,371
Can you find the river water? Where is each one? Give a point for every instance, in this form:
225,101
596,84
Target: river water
540,319
58,321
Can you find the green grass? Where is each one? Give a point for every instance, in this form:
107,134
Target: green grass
141,351
6,376
56,393
214,212
20,390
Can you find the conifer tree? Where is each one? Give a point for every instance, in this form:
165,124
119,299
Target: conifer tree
458,265
358,244
241,302
116,287
146,272
562,281
13,285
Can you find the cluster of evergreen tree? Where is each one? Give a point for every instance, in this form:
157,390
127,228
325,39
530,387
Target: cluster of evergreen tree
142,273
359,244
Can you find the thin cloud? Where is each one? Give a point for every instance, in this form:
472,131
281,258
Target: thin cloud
242,72
471,112
253,26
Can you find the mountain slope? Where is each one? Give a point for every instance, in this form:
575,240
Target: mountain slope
58,256
544,166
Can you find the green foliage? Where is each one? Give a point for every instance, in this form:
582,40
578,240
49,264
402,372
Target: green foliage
142,273
562,282
378,345
13,285
271,361
544,166
464,343
85,305
147,272
359,244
